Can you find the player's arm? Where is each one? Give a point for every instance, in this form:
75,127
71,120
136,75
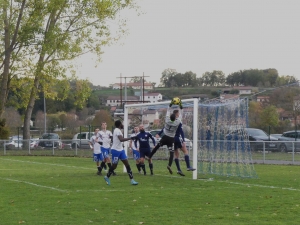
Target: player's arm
153,140
91,143
122,139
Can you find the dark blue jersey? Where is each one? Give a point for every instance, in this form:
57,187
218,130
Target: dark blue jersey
143,139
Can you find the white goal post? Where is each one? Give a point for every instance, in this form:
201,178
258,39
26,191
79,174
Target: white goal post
192,104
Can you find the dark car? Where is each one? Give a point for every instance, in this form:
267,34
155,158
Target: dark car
50,140
257,138
289,139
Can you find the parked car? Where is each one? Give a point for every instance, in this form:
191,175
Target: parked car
81,140
47,140
257,138
15,144
286,141
188,142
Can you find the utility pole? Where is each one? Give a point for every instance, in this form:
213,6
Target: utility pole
142,87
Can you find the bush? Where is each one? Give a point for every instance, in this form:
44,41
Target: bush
4,131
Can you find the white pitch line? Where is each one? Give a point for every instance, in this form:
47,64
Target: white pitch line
37,185
50,164
209,179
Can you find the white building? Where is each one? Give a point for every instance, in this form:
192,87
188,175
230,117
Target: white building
116,100
152,97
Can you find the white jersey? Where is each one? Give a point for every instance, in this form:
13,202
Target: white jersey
132,142
117,144
105,136
171,126
97,147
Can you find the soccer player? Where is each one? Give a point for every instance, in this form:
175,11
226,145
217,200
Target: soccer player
95,145
106,137
170,127
179,143
143,139
134,151
118,153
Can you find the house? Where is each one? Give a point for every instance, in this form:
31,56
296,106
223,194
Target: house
243,90
228,97
152,97
116,100
147,86
265,99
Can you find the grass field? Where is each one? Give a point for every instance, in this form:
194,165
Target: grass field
66,190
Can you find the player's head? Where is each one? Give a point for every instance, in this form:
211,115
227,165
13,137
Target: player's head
141,127
173,117
176,112
135,129
118,124
96,130
104,125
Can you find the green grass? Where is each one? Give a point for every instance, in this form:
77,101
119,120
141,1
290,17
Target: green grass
66,190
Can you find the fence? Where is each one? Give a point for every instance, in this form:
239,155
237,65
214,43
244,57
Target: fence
263,155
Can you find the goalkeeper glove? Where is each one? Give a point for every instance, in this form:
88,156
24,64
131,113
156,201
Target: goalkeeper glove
180,105
171,103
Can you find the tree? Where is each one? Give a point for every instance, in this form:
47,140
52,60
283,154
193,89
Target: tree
269,117
167,77
70,30
12,117
103,116
255,110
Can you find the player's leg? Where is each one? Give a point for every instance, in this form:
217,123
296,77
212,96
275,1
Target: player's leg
96,158
150,161
136,156
142,161
103,150
124,159
159,144
176,154
186,157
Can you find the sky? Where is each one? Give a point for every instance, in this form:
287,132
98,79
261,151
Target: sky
201,36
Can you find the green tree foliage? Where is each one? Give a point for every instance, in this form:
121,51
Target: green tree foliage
171,78
269,117
50,32
103,116
255,110
4,131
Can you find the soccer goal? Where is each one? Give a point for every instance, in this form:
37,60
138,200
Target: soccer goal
207,127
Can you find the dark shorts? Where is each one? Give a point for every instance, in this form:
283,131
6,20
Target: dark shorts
168,141
177,143
145,152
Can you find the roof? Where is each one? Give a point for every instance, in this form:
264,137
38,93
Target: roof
239,88
123,98
152,94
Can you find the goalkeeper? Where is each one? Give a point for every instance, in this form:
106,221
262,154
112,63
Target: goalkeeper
179,143
171,124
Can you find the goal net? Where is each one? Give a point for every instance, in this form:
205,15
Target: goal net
207,128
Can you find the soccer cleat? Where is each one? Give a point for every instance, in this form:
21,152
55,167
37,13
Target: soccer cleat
170,170
152,173
99,173
114,173
133,182
107,180
180,173
190,169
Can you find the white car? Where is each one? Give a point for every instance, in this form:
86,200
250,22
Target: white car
15,144
188,142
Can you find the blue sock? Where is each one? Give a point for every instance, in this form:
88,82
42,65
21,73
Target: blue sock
187,161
